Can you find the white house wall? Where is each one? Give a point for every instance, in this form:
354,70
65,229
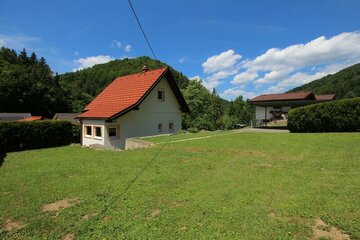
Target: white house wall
144,122
87,141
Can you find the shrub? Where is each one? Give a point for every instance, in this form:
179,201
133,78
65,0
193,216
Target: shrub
230,122
335,116
19,136
76,132
193,130
2,151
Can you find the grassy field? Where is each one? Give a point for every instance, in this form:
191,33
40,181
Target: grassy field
185,136
236,186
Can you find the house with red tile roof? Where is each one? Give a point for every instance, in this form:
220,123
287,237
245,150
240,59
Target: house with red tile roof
270,107
32,118
137,105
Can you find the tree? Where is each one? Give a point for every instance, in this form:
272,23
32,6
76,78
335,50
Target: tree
238,112
216,111
199,100
33,58
23,58
27,85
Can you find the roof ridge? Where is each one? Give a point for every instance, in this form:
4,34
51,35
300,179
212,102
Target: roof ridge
152,70
267,94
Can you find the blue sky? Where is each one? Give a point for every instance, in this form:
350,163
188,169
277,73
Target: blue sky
239,47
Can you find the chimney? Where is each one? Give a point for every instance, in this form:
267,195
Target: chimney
144,69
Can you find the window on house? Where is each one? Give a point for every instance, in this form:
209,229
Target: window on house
160,127
161,95
97,132
171,126
88,132
112,131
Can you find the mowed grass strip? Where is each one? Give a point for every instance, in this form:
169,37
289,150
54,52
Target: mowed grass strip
237,186
187,136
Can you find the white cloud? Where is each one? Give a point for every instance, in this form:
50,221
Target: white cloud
233,93
127,48
223,61
120,45
208,84
273,76
182,60
18,42
318,51
197,77
219,67
280,69
91,61
215,79
117,44
300,78
301,63
244,77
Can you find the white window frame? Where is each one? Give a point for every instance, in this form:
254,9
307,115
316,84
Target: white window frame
85,131
117,131
173,126
163,95
94,132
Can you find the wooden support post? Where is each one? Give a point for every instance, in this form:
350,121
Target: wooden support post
265,116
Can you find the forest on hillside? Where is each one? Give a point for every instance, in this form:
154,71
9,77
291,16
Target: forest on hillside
27,84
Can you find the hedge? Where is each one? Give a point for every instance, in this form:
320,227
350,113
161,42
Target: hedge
76,132
2,151
336,116
17,136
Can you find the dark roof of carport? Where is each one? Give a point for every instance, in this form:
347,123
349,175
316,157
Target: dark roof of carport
283,97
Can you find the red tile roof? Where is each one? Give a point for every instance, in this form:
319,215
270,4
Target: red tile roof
325,97
33,118
283,97
126,92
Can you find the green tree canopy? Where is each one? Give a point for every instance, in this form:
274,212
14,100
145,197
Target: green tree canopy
199,101
27,85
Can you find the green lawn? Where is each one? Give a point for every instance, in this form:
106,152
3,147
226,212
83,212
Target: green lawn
183,136
236,186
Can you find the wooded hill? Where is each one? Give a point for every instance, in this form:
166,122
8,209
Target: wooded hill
27,84
88,83
345,83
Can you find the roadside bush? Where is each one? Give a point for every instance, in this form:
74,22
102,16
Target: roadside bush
336,116
19,136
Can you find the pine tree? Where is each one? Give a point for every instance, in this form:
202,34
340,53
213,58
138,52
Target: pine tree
33,59
23,58
216,111
27,85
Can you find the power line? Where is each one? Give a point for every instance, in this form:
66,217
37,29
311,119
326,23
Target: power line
142,30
